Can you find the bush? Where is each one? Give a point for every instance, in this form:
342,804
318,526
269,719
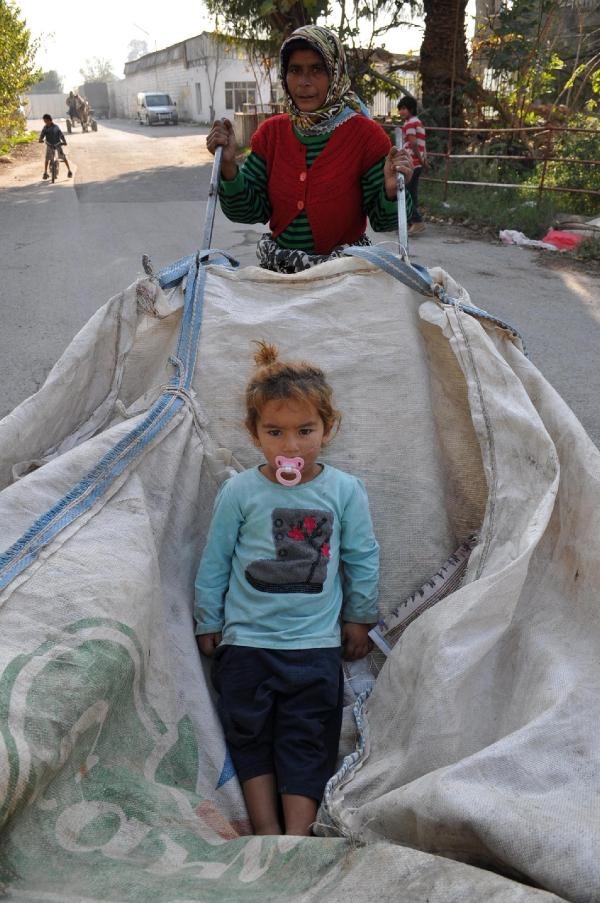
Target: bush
13,131
492,208
577,146
588,249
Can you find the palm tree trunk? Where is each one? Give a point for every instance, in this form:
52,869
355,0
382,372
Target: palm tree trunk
444,61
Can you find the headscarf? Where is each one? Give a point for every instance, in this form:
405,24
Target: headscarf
341,102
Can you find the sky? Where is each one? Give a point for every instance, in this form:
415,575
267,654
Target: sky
71,33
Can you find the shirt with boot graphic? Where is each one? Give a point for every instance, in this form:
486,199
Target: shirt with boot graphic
282,563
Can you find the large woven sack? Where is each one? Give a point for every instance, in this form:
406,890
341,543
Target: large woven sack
479,741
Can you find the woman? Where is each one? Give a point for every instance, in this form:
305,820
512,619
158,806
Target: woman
316,172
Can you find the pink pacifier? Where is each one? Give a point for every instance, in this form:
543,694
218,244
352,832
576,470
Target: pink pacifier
289,470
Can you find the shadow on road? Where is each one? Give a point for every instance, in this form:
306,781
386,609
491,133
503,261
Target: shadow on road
38,194
153,131
162,184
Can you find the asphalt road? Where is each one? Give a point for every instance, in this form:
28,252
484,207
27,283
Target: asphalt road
65,249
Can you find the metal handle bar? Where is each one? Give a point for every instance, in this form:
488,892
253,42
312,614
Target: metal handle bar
401,198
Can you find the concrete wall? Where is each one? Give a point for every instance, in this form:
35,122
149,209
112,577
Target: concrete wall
38,104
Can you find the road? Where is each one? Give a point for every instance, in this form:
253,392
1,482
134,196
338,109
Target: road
67,248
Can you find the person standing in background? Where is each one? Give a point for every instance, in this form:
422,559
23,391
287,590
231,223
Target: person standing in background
414,139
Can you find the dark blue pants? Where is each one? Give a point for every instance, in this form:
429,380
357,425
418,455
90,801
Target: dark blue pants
413,190
281,711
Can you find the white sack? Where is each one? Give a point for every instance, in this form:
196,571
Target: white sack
479,741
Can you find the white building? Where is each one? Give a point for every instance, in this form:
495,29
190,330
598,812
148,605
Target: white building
207,76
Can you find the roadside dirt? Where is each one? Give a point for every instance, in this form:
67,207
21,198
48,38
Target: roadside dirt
19,167
550,260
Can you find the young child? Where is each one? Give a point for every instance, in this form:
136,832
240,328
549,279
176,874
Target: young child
414,137
290,550
52,135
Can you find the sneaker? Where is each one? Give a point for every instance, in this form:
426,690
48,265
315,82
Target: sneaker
70,174
45,175
416,228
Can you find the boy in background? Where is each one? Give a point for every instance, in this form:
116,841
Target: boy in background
52,135
414,140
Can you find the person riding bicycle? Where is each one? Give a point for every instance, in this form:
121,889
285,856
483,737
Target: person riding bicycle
54,138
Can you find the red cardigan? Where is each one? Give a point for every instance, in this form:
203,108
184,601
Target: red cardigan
330,191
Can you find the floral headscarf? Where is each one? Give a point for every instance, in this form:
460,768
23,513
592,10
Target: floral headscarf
341,102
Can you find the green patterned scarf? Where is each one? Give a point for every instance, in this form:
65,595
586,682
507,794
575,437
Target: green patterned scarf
341,102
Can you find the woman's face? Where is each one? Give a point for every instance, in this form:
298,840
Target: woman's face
307,80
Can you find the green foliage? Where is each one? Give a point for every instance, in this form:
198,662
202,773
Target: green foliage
18,71
265,20
523,208
577,146
264,25
540,60
489,208
97,70
7,144
589,249
51,83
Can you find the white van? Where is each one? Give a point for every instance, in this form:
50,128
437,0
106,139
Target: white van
156,106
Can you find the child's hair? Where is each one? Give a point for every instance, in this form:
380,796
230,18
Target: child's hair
276,380
47,116
409,103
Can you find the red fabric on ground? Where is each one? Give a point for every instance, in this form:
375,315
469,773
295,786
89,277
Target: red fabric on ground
564,241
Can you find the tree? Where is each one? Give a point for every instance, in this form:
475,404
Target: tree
541,55
137,48
266,20
51,83
264,24
97,70
18,71
445,76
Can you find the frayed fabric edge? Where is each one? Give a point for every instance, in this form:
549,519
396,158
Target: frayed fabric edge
331,821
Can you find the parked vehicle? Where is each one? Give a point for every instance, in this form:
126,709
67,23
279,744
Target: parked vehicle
96,94
156,106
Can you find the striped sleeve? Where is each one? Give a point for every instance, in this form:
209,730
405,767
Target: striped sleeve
245,198
382,213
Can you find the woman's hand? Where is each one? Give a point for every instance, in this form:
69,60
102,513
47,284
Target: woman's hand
396,161
208,642
222,134
355,640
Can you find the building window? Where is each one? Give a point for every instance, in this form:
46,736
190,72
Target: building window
239,93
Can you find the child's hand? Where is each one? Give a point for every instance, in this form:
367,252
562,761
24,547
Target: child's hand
355,640
208,642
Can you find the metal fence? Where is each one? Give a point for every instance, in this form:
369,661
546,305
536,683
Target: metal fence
540,142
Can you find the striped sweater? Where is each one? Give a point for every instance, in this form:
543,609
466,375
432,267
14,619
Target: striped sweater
327,219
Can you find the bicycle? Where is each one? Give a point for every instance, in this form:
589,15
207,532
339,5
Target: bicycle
54,161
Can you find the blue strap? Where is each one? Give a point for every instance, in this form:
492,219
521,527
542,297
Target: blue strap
418,278
99,479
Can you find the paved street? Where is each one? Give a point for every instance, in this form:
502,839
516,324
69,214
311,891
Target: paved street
66,248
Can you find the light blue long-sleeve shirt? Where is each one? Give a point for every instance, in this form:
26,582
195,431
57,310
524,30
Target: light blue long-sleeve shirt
281,563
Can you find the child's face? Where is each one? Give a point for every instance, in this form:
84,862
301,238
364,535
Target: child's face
404,113
293,429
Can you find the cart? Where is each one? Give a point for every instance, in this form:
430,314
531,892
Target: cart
470,772
84,116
